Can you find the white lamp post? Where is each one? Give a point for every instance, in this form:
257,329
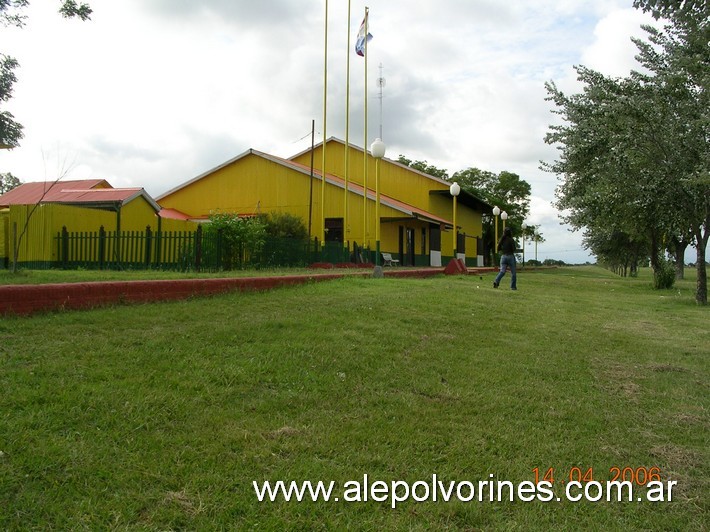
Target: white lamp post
378,152
504,217
455,190
496,212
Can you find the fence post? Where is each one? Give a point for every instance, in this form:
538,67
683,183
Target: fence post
148,245
198,248
65,247
158,243
102,247
15,250
219,259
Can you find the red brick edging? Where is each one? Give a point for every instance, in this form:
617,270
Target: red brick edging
28,299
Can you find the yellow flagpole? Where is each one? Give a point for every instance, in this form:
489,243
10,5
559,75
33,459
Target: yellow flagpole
346,244
364,144
325,106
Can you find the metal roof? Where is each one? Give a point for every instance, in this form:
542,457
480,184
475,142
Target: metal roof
94,192
173,214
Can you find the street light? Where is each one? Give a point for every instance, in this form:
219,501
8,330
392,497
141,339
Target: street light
496,212
524,226
378,152
504,217
455,190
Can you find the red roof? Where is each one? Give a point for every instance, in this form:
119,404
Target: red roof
85,191
173,214
31,193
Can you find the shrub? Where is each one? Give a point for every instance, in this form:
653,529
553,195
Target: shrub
285,225
241,238
663,274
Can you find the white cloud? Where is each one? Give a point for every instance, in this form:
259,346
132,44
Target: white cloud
154,92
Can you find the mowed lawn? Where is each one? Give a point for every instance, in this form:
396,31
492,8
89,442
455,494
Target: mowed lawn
161,416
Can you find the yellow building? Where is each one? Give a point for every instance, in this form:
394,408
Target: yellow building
35,214
416,209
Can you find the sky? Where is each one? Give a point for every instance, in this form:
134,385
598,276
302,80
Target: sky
152,93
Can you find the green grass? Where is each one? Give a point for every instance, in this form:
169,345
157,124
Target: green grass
160,416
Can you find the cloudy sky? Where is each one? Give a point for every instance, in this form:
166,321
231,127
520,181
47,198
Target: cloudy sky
152,93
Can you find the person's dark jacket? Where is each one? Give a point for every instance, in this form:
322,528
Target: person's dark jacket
507,245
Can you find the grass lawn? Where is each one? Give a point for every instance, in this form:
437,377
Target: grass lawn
161,416
82,276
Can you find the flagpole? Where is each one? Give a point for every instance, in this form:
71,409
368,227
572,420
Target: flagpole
364,144
346,243
325,106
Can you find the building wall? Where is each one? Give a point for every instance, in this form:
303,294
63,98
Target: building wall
4,237
38,245
169,224
248,186
396,180
256,184
253,184
406,185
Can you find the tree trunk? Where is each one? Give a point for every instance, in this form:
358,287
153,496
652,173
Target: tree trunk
701,291
680,259
655,252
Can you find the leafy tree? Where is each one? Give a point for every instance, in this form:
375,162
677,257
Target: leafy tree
8,182
11,15
285,225
506,190
634,152
10,130
687,9
553,262
617,250
241,238
424,166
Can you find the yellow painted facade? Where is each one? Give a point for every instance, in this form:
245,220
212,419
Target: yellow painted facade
416,212
407,185
38,246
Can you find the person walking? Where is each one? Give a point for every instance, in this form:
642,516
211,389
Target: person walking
506,245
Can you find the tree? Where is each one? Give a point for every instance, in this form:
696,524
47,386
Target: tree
8,182
687,9
11,15
634,151
425,167
617,250
285,225
241,237
506,190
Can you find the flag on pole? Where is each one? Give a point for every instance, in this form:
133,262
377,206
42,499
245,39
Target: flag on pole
360,42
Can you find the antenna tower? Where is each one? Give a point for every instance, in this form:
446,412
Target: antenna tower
381,83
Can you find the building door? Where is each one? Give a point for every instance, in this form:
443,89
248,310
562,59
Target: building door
409,259
434,245
334,230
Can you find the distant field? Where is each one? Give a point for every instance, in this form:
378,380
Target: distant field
161,416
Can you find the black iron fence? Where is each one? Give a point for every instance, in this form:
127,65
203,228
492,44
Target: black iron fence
185,250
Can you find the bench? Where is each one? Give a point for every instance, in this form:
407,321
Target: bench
388,260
